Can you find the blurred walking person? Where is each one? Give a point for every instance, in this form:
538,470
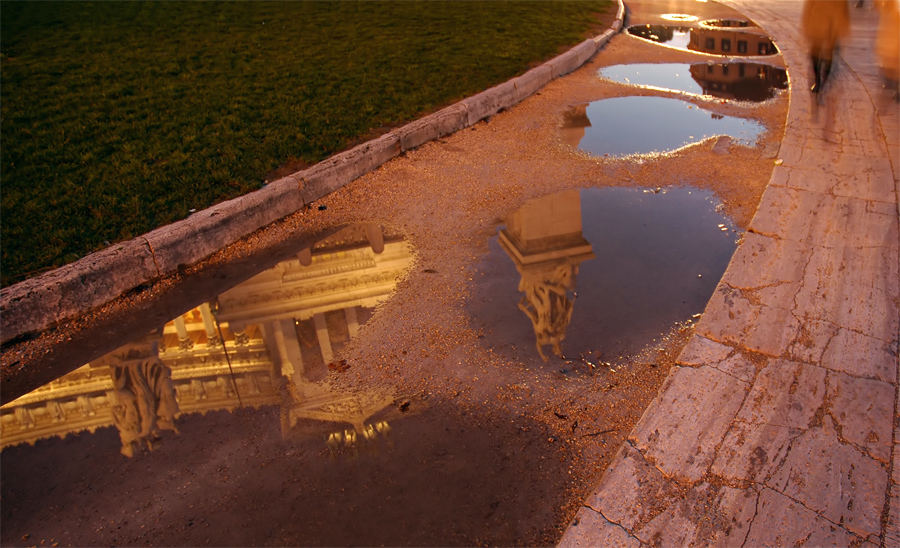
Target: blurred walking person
824,24
887,44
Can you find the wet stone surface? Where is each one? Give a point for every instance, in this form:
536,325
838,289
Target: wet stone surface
752,82
436,476
600,273
623,126
707,39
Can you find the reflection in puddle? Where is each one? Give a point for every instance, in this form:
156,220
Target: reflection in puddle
712,40
272,449
617,126
644,261
739,81
544,240
728,23
235,479
677,37
269,340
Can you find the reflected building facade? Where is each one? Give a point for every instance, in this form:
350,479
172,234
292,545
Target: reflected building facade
723,41
739,81
707,38
267,341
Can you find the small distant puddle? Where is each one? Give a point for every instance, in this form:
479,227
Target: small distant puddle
753,82
642,125
727,23
600,272
684,17
707,39
676,37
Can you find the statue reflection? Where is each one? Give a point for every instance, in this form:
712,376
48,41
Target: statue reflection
575,124
545,241
269,341
143,394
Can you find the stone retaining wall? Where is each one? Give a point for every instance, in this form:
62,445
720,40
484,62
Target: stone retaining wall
38,303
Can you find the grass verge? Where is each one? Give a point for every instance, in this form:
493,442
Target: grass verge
118,117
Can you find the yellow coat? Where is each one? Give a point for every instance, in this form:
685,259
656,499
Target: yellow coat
824,23
887,44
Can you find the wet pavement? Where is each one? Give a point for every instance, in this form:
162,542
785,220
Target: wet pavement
336,398
779,424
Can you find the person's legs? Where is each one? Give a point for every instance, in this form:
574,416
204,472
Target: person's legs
817,73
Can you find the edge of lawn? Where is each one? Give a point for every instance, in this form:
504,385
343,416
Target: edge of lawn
37,303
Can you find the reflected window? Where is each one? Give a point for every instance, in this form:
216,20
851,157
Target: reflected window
711,44
725,70
726,44
763,48
741,70
742,46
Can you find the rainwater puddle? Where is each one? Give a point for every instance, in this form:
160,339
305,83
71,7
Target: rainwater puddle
270,449
727,23
600,272
673,36
751,82
707,39
642,125
683,17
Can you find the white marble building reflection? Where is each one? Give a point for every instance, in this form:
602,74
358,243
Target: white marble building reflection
267,341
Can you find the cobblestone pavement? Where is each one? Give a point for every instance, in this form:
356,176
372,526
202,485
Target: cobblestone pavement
779,427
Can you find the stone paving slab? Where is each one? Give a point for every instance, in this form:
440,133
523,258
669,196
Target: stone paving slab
780,425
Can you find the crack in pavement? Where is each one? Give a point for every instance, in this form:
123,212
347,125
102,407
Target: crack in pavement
619,525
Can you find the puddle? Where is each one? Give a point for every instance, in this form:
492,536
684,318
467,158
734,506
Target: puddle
676,37
712,40
751,82
273,335
727,23
622,126
235,479
600,273
229,426
678,17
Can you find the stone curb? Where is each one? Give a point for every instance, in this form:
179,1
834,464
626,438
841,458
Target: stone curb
38,303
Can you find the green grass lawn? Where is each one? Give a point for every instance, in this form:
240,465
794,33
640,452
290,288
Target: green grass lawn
118,117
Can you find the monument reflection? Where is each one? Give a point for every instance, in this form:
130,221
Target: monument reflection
545,241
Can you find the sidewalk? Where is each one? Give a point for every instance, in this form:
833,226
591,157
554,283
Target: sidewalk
780,426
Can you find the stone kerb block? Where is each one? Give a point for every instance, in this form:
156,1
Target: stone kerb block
339,170
532,81
490,102
441,123
569,61
585,50
202,234
38,303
